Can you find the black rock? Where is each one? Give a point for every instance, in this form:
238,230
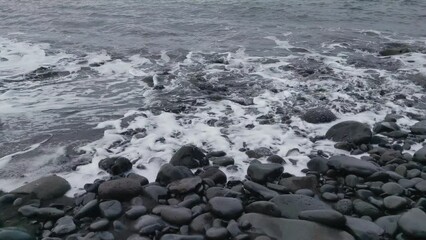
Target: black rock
385,127
110,209
136,211
318,164
45,188
119,189
64,225
363,208
169,173
155,192
189,156
181,237
352,165
392,188
14,234
363,229
176,215
291,205
267,172
420,155
389,224
276,159
350,131
141,179
290,229
264,207
99,225
259,190
412,223
259,152
91,208
221,192
419,128
201,223
233,228
214,174
319,115
296,183
115,165
185,185
326,216
217,233
328,196
149,224
225,207
222,161
421,186
395,203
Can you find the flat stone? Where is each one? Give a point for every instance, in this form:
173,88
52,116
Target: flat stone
149,224
326,216
214,174
353,165
291,205
201,223
413,224
120,189
45,188
110,209
225,207
217,233
291,229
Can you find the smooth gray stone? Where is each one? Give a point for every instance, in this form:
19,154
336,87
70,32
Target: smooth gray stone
292,204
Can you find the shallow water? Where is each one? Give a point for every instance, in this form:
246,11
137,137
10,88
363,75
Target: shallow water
70,70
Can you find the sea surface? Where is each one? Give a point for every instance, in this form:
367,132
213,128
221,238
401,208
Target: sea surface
85,80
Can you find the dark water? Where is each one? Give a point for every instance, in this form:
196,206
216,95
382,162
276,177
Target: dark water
67,65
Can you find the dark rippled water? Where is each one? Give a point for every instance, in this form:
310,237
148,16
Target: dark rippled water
66,66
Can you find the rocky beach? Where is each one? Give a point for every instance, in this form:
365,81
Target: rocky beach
377,190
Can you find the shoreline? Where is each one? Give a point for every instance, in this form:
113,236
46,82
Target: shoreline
378,195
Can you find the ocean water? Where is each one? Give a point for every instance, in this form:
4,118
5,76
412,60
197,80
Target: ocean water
85,80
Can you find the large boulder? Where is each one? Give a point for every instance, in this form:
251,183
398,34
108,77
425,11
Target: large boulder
115,165
419,128
319,115
353,165
350,131
292,204
120,189
290,229
189,156
45,188
169,173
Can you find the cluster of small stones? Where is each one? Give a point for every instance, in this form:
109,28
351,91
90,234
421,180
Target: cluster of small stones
380,195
